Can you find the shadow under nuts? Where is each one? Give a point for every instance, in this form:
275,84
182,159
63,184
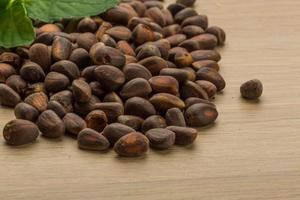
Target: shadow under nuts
131,145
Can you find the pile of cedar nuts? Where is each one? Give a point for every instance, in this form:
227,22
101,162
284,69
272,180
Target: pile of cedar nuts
138,75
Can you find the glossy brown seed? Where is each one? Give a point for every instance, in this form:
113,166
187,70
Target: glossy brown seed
48,28
191,89
183,59
11,58
206,55
154,121
132,145
65,98
175,117
86,40
130,10
83,109
102,29
218,32
17,84
200,114
19,132
113,132
174,8
112,97
73,123
187,3
252,89
137,87
134,122
154,64
67,68
142,34
61,48
130,59
191,73
89,139
206,63
57,108
88,73
164,46
206,41
154,3
8,97
80,57
112,110
184,135
211,75
6,71
192,30
198,20
32,72
40,54
190,45
177,39
148,50
194,100
156,15
139,7
38,100
55,82
171,30
209,87
96,120
110,77
125,48
87,25
26,112
168,16
184,14
164,84
119,33
180,75
50,124
135,70
160,138
82,92
104,55
139,107
118,15
164,101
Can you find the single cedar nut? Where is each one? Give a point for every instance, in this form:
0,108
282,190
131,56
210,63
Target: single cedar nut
96,120
137,87
32,72
154,121
86,41
19,132
134,122
112,110
73,123
206,55
251,89
164,84
18,84
160,138
8,97
113,132
40,54
35,88
57,108
164,101
194,100
65,98
38,100
218,32
50,124
55,82
184,135
67,68
211,75
89,139
191,89
175,117
119,33
80,57
132,145
26,112
140,107
61,48
198,20
209,87
110,77
6,71
180,75
142,34
154,64
174,8
87,25
82,91
135,70
200,114
206,63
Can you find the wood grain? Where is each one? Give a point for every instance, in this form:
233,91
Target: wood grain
253,151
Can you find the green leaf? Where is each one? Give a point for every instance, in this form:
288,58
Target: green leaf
16,28
51,10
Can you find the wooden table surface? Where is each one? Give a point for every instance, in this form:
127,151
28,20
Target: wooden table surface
252,152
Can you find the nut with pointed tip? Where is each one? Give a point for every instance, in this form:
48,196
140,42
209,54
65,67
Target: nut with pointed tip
82,91
89,139
200,114
160,138
73,123
50,124
110,77
164,101
212,76
175,117
184,135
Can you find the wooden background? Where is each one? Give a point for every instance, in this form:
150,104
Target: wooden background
253,151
